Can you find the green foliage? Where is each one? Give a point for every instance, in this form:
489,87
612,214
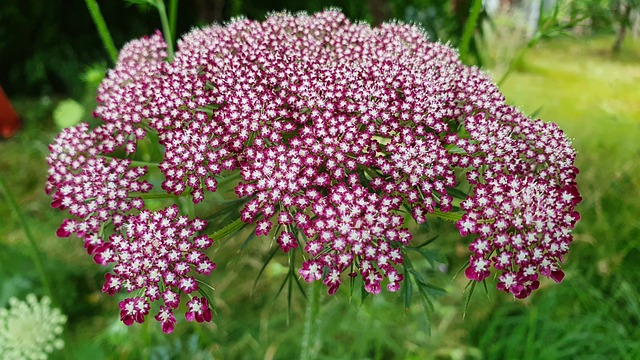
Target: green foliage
45,45
598,13
550,25
592,319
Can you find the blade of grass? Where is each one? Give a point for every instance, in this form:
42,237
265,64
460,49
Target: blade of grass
228,230
467,297
264,266
35,251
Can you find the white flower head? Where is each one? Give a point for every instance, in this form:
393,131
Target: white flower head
30,329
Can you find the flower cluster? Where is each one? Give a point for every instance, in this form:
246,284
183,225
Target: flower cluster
154,252
90,186
336,130
523,203
30,329
523,228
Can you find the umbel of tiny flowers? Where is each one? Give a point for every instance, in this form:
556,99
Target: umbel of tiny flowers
31,329
155,253
336,131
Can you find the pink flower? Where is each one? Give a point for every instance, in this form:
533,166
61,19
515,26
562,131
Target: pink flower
94,189
198,310
133,309
287,241
166,318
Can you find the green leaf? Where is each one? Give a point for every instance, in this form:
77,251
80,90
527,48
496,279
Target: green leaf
289,294
454,149
427,304
427,242
363,295
205,284
68,113
209,108
457,193
471,285
228,230
431,256
407,288
304,294
486,290
209,86
535,113
264,266
432,290
284,282
461,269
352,286
451,216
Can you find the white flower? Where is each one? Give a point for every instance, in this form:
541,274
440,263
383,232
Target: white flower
30,329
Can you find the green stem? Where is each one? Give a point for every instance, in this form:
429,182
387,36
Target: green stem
173,16
310,336
104,33
447,215
166,28
470,28
228,230
133,162
144,163
236,8
35,251
155,195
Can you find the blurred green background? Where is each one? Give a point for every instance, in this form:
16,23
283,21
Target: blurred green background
578,67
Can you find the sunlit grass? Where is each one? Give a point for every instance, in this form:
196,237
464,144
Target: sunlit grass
579,83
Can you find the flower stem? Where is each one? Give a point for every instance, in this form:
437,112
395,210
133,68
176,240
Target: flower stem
451,216
104,33
144,163
166,28
35,251
173,16
228,230
155,195
469,28
310,336
133,162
